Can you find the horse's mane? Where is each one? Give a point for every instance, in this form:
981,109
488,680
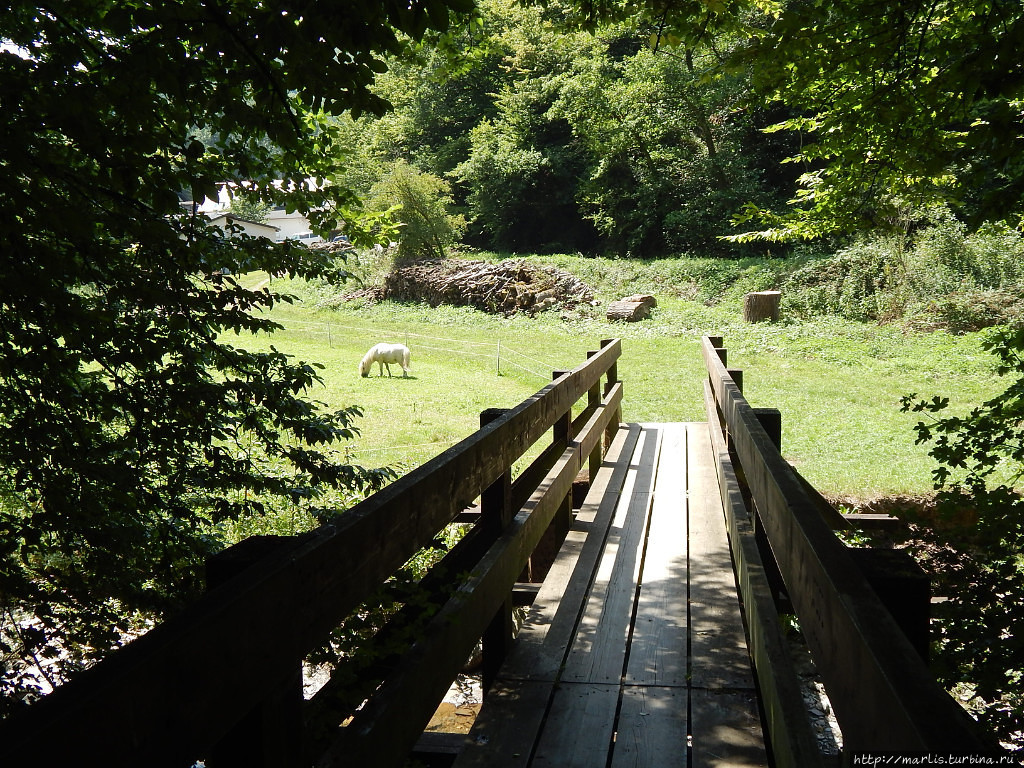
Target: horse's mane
367,361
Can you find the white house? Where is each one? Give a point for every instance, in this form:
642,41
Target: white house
228,222
290,225
283,225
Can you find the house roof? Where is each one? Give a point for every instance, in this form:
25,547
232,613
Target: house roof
230,217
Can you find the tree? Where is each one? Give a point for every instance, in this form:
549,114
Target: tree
251,210
896,102
523,170
980,517
131,429
420,203
669,132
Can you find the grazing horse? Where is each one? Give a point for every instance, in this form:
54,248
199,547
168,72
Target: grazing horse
382,354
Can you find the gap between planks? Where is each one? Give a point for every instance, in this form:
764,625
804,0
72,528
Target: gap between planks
636,644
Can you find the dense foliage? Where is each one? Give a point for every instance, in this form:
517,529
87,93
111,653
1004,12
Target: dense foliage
942,276
980,514
133,434
131,429
557,139
897,102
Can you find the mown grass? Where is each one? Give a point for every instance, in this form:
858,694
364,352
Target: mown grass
838,383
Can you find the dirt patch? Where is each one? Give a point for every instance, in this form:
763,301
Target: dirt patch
452,718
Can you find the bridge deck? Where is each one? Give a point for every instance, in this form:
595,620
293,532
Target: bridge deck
634,652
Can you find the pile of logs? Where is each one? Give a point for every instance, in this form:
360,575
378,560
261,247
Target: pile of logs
508,287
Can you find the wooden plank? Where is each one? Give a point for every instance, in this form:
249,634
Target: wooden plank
510,722
726,730
652,728
508,726
782,705
884,696
541,646
658,650
579,728
598,651
719,654
386,728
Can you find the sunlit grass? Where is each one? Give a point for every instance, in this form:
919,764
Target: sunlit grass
837,383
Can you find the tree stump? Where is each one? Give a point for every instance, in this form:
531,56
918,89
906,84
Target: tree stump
631,308
762,305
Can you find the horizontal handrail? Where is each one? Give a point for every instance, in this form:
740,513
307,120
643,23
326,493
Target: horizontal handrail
169,697
883,695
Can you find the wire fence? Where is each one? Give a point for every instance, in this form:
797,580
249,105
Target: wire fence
500,352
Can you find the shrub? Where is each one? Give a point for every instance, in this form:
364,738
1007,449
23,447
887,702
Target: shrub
420,204
943,277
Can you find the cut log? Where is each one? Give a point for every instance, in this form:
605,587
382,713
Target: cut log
631,308
762,305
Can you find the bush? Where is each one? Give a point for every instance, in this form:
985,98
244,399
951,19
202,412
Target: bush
420,204
972,310
863,282
981,459
944,277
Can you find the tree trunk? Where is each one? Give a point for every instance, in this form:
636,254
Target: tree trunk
631,308
763,305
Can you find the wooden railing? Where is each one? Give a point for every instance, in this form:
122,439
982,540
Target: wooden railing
223,681
879,685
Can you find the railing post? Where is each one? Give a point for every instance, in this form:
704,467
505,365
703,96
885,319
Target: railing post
561,434
770,420
496,513
737,376
612,378
270,734
593,403
904,588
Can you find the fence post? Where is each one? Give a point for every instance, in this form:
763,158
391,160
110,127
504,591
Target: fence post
612,378
593,403
495,514
270,735
770,420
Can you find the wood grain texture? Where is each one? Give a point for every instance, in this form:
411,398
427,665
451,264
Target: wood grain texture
599,647
720,658
884,696
168,697
510,723
785,714
652,728
658,651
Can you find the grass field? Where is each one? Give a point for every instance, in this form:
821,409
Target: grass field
837,383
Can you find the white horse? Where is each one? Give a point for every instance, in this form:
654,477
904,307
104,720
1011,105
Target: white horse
383,354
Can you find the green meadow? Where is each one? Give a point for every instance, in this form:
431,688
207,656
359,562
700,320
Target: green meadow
838,383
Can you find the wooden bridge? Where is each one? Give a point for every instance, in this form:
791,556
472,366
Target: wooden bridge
654,638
